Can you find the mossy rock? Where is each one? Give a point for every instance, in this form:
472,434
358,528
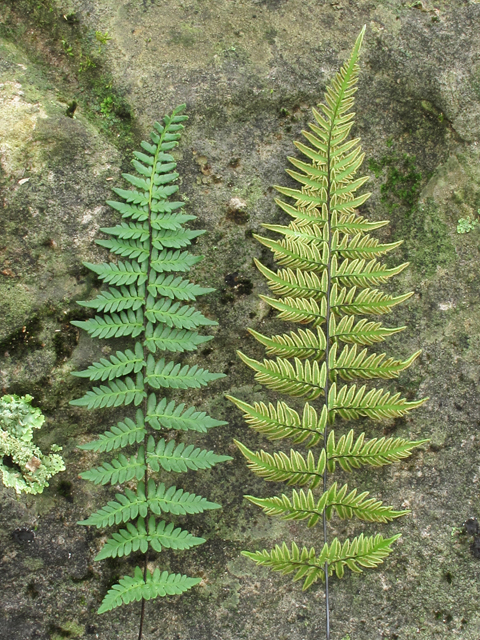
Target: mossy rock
249,77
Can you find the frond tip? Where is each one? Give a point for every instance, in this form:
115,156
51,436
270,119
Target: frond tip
366,552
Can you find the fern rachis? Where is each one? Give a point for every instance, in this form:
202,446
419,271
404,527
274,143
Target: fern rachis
330,271
149,303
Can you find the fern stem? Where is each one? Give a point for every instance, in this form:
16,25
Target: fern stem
140,630
327,352
145,356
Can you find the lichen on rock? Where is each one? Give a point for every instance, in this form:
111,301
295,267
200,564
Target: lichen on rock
24,466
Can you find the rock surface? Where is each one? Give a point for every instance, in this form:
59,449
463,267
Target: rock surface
249,71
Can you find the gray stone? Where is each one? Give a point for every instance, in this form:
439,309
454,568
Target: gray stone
249,71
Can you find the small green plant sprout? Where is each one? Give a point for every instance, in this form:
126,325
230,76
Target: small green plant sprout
102,39
107,106
67,48
23,465
465,225
86,63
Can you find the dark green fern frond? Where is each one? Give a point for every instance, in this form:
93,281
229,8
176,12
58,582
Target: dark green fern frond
180,458
138,537
330,273
167,415
118,365
117,299
148,302
158,584
121,435
119,470
177,501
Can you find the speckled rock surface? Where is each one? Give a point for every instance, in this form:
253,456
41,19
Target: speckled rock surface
249,71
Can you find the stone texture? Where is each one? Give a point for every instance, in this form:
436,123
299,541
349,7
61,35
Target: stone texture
249,72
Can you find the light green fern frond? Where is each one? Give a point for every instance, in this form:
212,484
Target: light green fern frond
284,422
303,506
367,552
350,454
330,273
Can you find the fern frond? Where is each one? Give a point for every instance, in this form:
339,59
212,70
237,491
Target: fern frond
133,538
165,338
299,310
284,422
350,364
363,332
118,365
119,470
116,325
361,246
165,536
351,403
375,452
117,393
331,265
145,302
173,456
367,552
177,501
121,273
133,249
175,287
117,299
120,435
302,344
306,379
133,589
303,506
129,231
297,284
167,415
173,314
281,468
173,375
296,254
127,507
174,239
164,260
